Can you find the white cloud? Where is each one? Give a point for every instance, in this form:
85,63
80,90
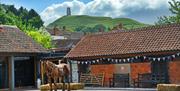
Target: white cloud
111,8
55,11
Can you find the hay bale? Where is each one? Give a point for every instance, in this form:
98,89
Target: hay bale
168,87
73,86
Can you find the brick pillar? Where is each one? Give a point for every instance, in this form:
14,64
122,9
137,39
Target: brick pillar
174,71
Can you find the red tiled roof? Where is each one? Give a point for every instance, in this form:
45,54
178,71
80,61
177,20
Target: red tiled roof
65,43
12,40
150,39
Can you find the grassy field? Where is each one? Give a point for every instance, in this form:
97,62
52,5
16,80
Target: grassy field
72,22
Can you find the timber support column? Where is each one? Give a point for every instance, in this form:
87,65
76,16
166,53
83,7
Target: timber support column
42,72
11,73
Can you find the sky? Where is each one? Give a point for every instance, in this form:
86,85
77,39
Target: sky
145,11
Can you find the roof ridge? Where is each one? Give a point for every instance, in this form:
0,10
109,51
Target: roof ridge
156,27
9,26
115,44
138,29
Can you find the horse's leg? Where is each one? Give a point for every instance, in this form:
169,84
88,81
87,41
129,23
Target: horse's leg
59,79
55,85
50,83
63,83
69,85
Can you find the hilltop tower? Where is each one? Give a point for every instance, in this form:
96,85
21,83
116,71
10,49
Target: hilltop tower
68,11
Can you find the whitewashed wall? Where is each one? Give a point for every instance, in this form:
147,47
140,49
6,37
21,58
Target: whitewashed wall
74,71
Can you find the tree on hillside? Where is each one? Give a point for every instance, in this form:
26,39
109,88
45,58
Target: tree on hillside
94,29
13,9
35,19
175,10
22,11
80,28
32,13
99,27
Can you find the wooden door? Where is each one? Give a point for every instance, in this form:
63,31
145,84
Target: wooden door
160,68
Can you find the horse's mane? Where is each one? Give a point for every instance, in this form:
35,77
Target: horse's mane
51,64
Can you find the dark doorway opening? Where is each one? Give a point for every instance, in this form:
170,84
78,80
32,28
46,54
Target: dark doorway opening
24,73
160,68
3,73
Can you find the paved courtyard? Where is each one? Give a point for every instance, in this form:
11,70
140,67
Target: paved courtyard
98,89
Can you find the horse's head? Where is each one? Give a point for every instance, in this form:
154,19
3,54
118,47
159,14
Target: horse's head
63,65
46,65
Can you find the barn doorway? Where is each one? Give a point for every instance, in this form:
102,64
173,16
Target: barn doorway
158,67
24,72
3,73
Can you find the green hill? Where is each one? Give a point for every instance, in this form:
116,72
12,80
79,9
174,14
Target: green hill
84,22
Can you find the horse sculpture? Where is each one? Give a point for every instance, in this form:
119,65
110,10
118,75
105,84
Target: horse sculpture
54,72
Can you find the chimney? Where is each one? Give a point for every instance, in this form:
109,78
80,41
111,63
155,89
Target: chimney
101,30
1,29
120,26
55,31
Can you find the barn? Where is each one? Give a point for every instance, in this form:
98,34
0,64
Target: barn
153,50
19,58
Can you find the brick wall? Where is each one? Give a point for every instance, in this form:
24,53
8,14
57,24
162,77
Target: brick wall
108,70
174,72
139,68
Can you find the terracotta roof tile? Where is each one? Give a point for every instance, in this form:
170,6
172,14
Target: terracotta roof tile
13,40
149,39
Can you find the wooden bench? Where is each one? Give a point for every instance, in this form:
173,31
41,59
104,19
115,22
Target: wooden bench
149,80
119,80
158,79
92,79
143,80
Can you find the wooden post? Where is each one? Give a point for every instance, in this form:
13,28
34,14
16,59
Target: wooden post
11,73
42,72
37,70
